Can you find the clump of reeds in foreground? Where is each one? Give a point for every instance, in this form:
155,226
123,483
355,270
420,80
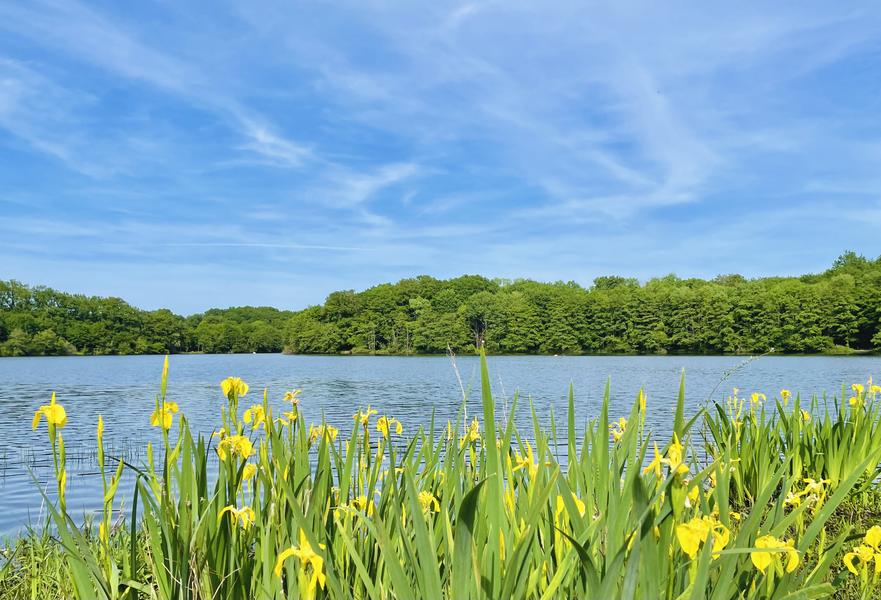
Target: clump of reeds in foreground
481,510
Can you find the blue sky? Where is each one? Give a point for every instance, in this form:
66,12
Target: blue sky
216,153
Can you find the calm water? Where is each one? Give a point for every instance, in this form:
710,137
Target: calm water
123,390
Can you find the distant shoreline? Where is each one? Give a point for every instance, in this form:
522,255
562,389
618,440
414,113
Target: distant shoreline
832,313
854,353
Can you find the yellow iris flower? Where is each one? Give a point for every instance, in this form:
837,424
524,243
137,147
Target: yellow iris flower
472,435
561,506
673,460
865,553
234,386
813,486
873,536
359,503
287,418
526,462
307,556
674,456
292,397
785,395
164,415
255,414
792,499
771,547
363,504
385,424
617,429
428,502
364,416
316,433
54,413
235,445
696,532
243,517
249,471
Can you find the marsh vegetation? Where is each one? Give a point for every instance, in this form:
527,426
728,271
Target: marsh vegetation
760,496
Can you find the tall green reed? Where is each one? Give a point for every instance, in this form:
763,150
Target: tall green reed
476,510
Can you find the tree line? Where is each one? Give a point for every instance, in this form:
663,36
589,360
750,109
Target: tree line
837,311
40,321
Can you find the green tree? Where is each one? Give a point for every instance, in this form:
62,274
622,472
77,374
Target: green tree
520,330
484,319
18,343
48,343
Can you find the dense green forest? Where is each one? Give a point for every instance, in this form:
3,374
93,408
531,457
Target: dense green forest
43,322
835,311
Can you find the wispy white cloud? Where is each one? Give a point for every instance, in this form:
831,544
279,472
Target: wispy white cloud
355,188
657,128
278,150
38,112
75,28
83,33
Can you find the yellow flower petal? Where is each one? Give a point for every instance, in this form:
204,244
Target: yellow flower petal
690,536
873,536
848,562
283,556
762,559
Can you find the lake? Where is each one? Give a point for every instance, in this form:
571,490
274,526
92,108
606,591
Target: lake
123,390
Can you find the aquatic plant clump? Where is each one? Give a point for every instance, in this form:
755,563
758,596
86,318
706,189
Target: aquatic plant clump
477,509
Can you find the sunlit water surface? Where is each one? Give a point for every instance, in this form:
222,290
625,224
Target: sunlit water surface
123,390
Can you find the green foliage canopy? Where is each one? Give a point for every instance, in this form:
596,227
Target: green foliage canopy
838,310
